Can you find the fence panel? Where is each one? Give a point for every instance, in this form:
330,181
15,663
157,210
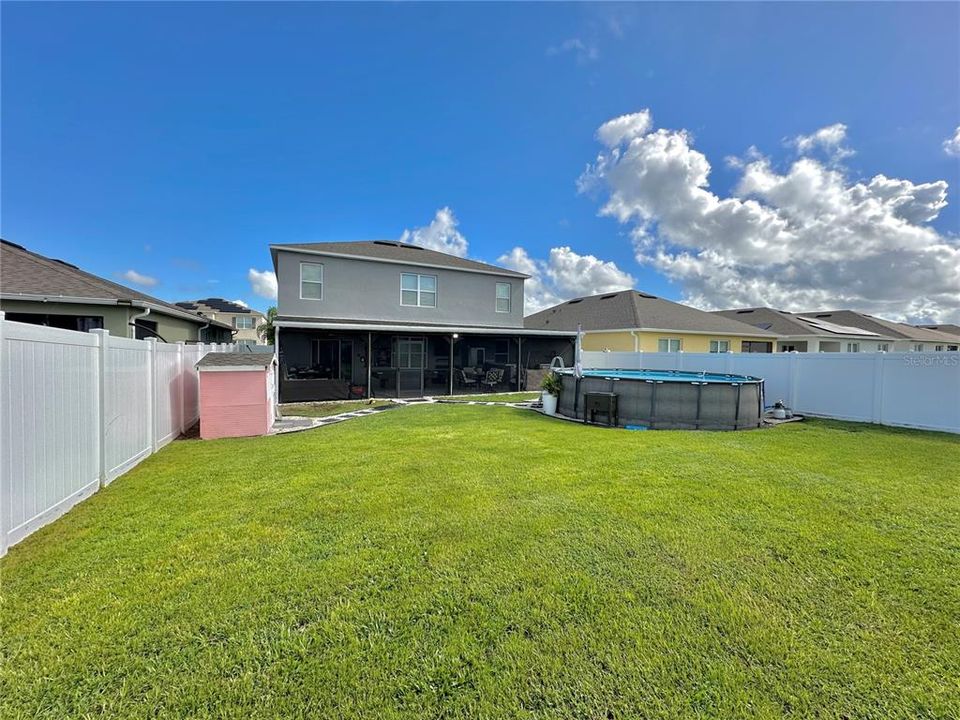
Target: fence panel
79,409
49,426
128,401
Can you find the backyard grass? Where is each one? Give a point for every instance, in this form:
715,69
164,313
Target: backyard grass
511,397
324,409
486,562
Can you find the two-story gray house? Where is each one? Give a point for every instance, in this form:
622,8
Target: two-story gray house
388,319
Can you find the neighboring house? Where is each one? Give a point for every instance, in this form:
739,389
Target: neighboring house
949,329
905,338
636,321
242,319
796,333
44,291
388,319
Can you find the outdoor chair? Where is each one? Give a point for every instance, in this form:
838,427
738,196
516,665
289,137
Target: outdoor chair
492,379
463,380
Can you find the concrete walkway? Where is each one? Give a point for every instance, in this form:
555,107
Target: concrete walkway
299,423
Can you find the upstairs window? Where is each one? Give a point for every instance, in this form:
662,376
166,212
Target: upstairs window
243,322
669,345
311,281
719,346
418,290
504,294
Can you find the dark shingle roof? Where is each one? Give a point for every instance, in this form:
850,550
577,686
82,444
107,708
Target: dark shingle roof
237,359
400,252
630,309
220,305
896,330
26,273
948,328
784,323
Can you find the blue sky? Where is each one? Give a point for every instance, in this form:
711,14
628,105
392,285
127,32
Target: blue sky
178,140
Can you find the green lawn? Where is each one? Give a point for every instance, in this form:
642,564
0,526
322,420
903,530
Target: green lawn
323,409
496,397
483,562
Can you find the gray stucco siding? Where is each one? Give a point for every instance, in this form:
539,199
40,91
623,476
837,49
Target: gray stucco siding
370,290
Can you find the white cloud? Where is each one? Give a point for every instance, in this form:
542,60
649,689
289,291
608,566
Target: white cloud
805,238
136,278
563,275
626,127
951,146
583,51
829,139
241,303
263,283
441,234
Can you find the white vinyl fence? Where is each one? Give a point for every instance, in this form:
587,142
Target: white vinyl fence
919,390
78,410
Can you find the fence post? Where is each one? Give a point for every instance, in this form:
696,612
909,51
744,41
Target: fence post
103,346
3,526
181,374
152,392
794,379
876,414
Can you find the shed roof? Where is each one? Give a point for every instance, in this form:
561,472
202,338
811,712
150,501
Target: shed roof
239,359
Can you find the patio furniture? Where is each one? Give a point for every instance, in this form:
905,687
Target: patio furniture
492,379
463,380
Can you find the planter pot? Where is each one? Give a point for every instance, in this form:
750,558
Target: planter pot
549,404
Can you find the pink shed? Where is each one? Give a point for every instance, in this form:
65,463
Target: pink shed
236,394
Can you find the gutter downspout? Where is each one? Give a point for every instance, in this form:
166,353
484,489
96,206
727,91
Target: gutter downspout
636,341
133,320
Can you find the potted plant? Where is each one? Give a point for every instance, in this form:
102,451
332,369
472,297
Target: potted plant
551,386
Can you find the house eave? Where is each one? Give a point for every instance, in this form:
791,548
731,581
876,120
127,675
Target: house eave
67,299
438,329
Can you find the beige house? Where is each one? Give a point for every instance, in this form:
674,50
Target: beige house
242,319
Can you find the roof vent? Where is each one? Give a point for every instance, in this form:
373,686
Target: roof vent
824,315
607,297
387,242
744,312
646,295
64,262
574,302
13,244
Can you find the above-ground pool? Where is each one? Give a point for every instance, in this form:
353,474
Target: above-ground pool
664,399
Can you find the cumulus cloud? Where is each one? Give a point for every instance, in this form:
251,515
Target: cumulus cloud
583,51
829,139
241,303
564,274
951,146
441,234
804,238
263,283
132,276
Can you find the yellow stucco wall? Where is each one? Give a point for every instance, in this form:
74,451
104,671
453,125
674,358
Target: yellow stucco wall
648,341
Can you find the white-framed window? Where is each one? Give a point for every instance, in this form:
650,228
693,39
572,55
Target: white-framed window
418,290
669,345
719,346
243,322
853,347
939,348
504,294
918,347
883,347
311,281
